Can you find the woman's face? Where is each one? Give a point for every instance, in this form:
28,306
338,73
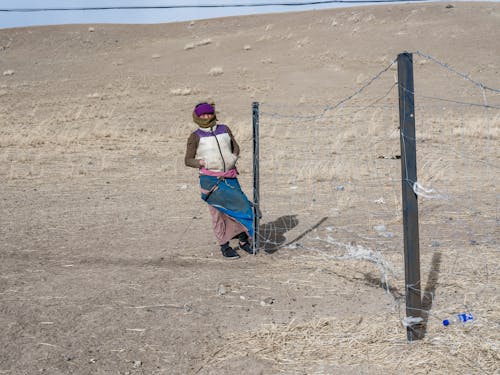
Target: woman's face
207,115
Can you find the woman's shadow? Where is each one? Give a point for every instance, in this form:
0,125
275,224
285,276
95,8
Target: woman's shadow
272,235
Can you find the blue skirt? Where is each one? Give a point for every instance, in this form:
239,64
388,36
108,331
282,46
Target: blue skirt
228,198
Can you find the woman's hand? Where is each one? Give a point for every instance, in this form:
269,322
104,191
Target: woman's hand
202,163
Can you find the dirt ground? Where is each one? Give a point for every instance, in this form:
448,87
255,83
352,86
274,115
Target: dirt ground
108,264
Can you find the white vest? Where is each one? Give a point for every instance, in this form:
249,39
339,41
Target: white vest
215,149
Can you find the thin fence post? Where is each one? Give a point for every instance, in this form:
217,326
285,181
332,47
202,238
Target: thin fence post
410,203
256,193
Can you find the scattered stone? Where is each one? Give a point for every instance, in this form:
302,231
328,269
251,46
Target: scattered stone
380,228
435,244
267,301
221,290
184,91
92,360
247,47
474,242
91,29
449,6
155,56
339,188
204,42
199,43
379,201
302,42
137,364
9,73
216,71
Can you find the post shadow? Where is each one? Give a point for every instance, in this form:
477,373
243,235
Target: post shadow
428,294
430,290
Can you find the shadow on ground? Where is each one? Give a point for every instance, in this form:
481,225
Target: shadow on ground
272,235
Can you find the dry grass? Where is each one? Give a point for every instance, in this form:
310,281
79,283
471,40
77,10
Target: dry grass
377,343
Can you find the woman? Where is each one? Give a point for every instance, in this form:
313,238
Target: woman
213,150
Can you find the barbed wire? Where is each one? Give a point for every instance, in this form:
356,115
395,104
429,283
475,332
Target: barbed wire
328,108
416,186
448,67
338,104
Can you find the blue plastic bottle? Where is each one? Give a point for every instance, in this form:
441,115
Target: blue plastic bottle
459,318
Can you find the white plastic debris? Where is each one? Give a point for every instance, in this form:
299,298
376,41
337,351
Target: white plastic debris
427,192
410,321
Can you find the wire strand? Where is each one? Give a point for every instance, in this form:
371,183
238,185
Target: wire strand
180,6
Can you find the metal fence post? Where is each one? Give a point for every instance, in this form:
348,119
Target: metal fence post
256,193
410,203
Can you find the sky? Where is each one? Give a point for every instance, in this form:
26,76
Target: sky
9,19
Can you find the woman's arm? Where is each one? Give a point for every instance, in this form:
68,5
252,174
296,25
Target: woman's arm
234,144
192,146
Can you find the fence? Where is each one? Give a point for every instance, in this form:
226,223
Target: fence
330,178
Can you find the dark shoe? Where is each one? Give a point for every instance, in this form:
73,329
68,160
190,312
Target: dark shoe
243,237
228,252
245,246
245,243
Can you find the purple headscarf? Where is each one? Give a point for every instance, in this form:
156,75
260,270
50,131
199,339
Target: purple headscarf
203,109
